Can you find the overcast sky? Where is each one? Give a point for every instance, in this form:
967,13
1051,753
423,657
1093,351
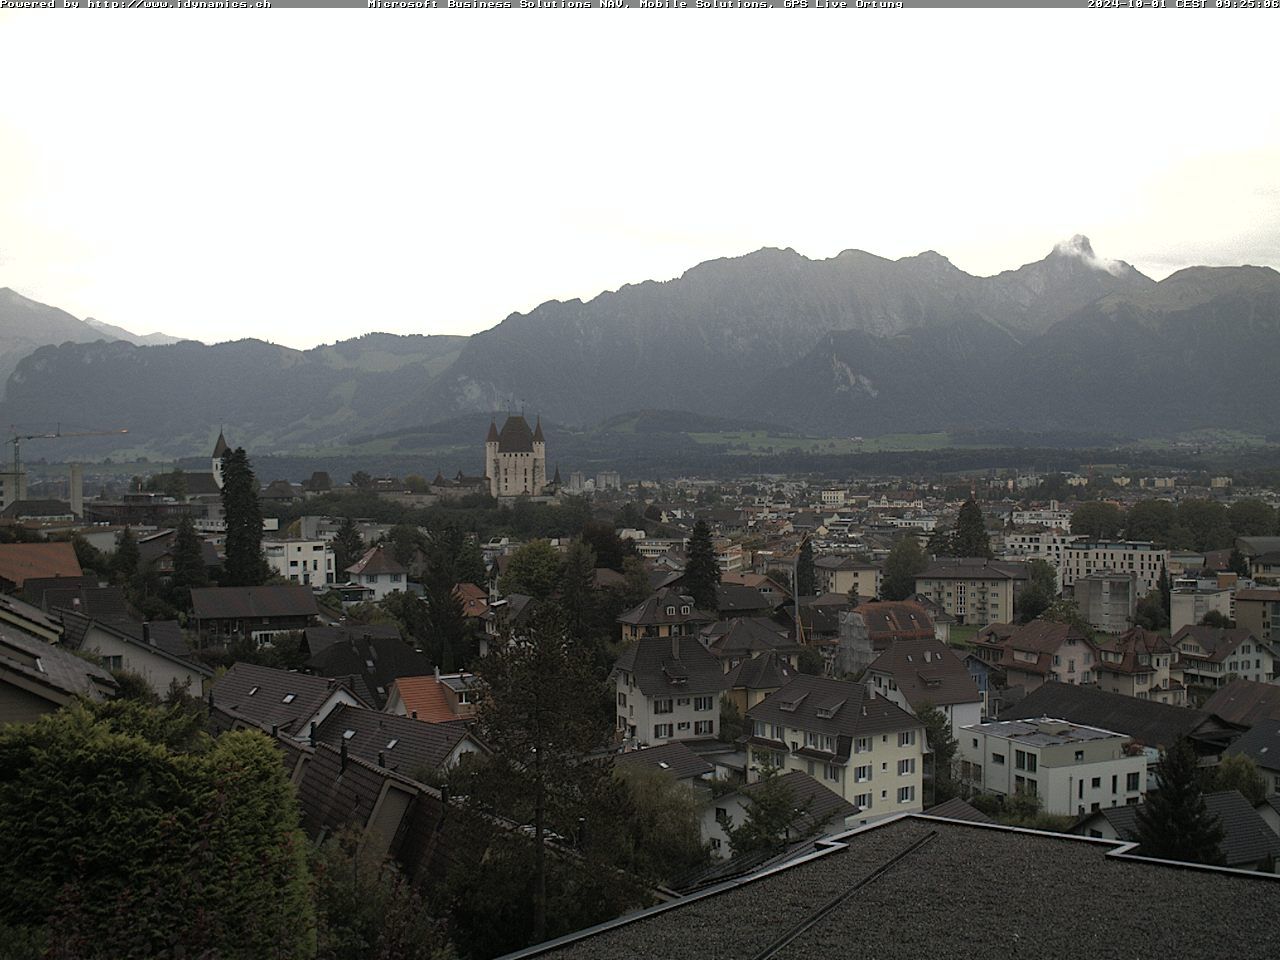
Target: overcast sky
304,176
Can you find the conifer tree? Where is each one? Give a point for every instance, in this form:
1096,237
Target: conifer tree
702,573
348,546
127,557
806,581
188,564
245,565
1174,823
970,538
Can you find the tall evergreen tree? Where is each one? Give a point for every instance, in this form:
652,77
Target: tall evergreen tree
124,565
702,573
970,538
578,590
806,579
448,638
188,564
1174,823
245,565
905,561
348,547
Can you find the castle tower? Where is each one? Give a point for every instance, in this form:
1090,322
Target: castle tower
515,458
539,459
219,450
492,469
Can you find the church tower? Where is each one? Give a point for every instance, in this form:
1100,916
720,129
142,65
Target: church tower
219,449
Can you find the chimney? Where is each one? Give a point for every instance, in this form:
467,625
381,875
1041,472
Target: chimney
415,714
77,489
275,731
437,669
342,755
312,735
382,759
675,645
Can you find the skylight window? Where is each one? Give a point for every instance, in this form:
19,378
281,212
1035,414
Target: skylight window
252,691
348,734
392,742
288,698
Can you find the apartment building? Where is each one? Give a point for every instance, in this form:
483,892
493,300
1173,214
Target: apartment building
1038,652
1141,558
839,574
1138,663
667,688
300,561
1107,600
859,745
1073,769
916,674
1211,656
974,590
1053,516
1050,546
1258,610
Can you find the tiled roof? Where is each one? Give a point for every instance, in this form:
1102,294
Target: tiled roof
673,758
1261,744
1146,721
655,609
837,708
1245,702
377,660
247,603
973,568
515,436
815,804
731,597
896,620
1217,642
20,561
146,636
843,563
376,560
927,672
1131,646
424,697
745,636
53,667
271,698
21,509
957,809
765,671
1247,838
406,746
319,639
657,672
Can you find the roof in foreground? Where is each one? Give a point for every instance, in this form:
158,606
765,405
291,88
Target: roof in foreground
953,867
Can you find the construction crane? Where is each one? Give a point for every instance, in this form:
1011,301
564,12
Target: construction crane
17,439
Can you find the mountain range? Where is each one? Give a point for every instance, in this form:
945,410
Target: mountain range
851,345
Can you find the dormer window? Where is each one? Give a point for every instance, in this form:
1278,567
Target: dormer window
684,609
671,611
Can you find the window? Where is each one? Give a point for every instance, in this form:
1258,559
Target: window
1113,784
370,578
715,843
113,663
1095,783
703,728
288,698
662,730
862,745
862,800
998,758
862,774
662,706
395,578
906,738
831,771
906,794
683,725
1079,758
702,703
622,699
682,701
722,815
1131,783
906,766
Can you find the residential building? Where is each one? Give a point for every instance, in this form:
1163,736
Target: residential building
435,697
1245,702
865,748
1261,744
817,811
728,555
917,674
1048,545
1053,516
219,614
974,590
840,574
279,701
1138,663
1213,656
308,562
667,613
1258,610
156,652
889,621
1188,605
1247,842
515,458
409,747
38,678
1071,768
674,760
754,679
1141,558
370,656
380,572
733,641
833,497
667,688
1107,600
1038,652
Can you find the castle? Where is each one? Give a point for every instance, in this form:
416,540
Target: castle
515,458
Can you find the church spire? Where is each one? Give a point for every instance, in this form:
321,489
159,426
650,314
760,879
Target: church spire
493,432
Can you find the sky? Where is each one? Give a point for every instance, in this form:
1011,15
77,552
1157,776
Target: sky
326,173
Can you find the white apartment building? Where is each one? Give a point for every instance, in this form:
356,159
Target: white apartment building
1051,516
833,498
1073,769
1138,557
307,562
1049,546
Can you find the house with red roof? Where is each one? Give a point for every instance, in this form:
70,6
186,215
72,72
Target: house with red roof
379,571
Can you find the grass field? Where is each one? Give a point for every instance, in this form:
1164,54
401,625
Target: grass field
761,441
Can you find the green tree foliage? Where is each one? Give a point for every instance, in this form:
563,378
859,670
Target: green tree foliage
941,541
1251,518
536,716
348,547
172,484
905,562
366,909
970,538
577,589
1214,618
1150,613
1238,772
120,845
942,746
732,724
532,569
446,636
1040,592
1174,823
811,662
663,829
124,564
245,566
637,583
769,816
407,542
1097,520
1236,563
702,573
188,564
361,480
1207,523
1150,520
90,558
1067,611
806,581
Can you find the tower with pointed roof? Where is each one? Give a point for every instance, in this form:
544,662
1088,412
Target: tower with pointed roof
515,458
219,450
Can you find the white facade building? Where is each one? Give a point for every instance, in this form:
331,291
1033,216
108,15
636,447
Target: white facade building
1138,557
308,562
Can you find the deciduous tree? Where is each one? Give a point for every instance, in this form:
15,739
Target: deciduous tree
905,562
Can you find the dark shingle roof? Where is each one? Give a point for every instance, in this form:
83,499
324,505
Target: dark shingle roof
319,639
654,610
746,636
973,568
837,708
376,560
766,671
241,603
1216,642
816,804
657,672
953,867
515,436
377,661
53,667
1245,702
731,597
407,746
269,697
1146,721
673,758
957,809
1260,744
927,671
1247,838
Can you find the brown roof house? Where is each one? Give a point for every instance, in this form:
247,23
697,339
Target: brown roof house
19,561
252,697
220,614
916,674
1212,656
1138,663
1038,652
379,571
37,678
668,688
816,810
